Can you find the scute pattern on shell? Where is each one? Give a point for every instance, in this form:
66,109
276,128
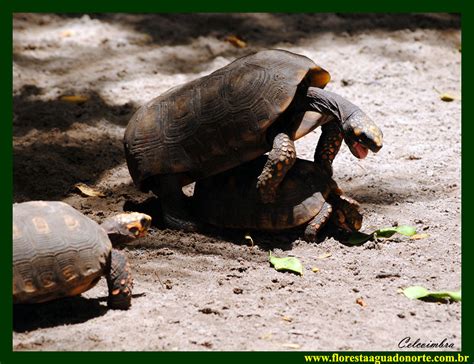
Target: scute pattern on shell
57,251
215,122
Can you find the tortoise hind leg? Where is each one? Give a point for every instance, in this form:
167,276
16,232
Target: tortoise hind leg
280,159
176,212
119,281
313,227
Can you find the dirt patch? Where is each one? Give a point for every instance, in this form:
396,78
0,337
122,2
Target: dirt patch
211,291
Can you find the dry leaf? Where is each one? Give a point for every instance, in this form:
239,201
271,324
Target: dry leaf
447,97
315,269
236,41
75,99
325,255
291,346
419,236
66,33
87,191
361,302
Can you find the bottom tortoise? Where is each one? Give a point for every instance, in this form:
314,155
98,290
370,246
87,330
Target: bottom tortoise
59,252
308,197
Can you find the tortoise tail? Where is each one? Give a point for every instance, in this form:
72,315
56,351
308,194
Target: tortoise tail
119,281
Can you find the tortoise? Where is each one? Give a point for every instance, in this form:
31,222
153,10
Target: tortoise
59,252
259,103
308,197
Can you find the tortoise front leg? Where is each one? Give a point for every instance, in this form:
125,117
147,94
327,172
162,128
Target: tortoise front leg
280,159
313,227
119,281
328,146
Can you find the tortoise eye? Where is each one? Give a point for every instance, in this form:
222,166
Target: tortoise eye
134,230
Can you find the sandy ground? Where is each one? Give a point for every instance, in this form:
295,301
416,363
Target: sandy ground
210,290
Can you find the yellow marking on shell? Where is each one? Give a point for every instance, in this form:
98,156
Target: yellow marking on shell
47,281
41,225
69,273
357,131
16,232
279,166
287,161
71,222
29,286
116,291
126,291
319,77
123,281
337,143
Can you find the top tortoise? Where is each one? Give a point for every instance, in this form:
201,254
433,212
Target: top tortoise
258,103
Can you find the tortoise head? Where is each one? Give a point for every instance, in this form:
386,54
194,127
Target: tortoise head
347,215
361,134
129,224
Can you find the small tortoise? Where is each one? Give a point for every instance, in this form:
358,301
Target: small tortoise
307,196
59,252
256,104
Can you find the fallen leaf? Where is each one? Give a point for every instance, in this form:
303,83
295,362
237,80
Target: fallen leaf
447,97
290,264
417,292
236,41
87,191
358,238
325,255
388,232
315,269
360,301
74,99
66,33
291,346
419,236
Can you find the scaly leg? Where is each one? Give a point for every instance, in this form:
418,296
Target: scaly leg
280,159
311,231
119,281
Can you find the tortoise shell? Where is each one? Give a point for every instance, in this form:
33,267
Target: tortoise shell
231,200
57,251
218,121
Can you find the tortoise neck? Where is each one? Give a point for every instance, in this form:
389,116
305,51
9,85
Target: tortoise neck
329,103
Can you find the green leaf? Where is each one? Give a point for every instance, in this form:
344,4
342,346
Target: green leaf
290,264
417,292
388,232
406,230
358,238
